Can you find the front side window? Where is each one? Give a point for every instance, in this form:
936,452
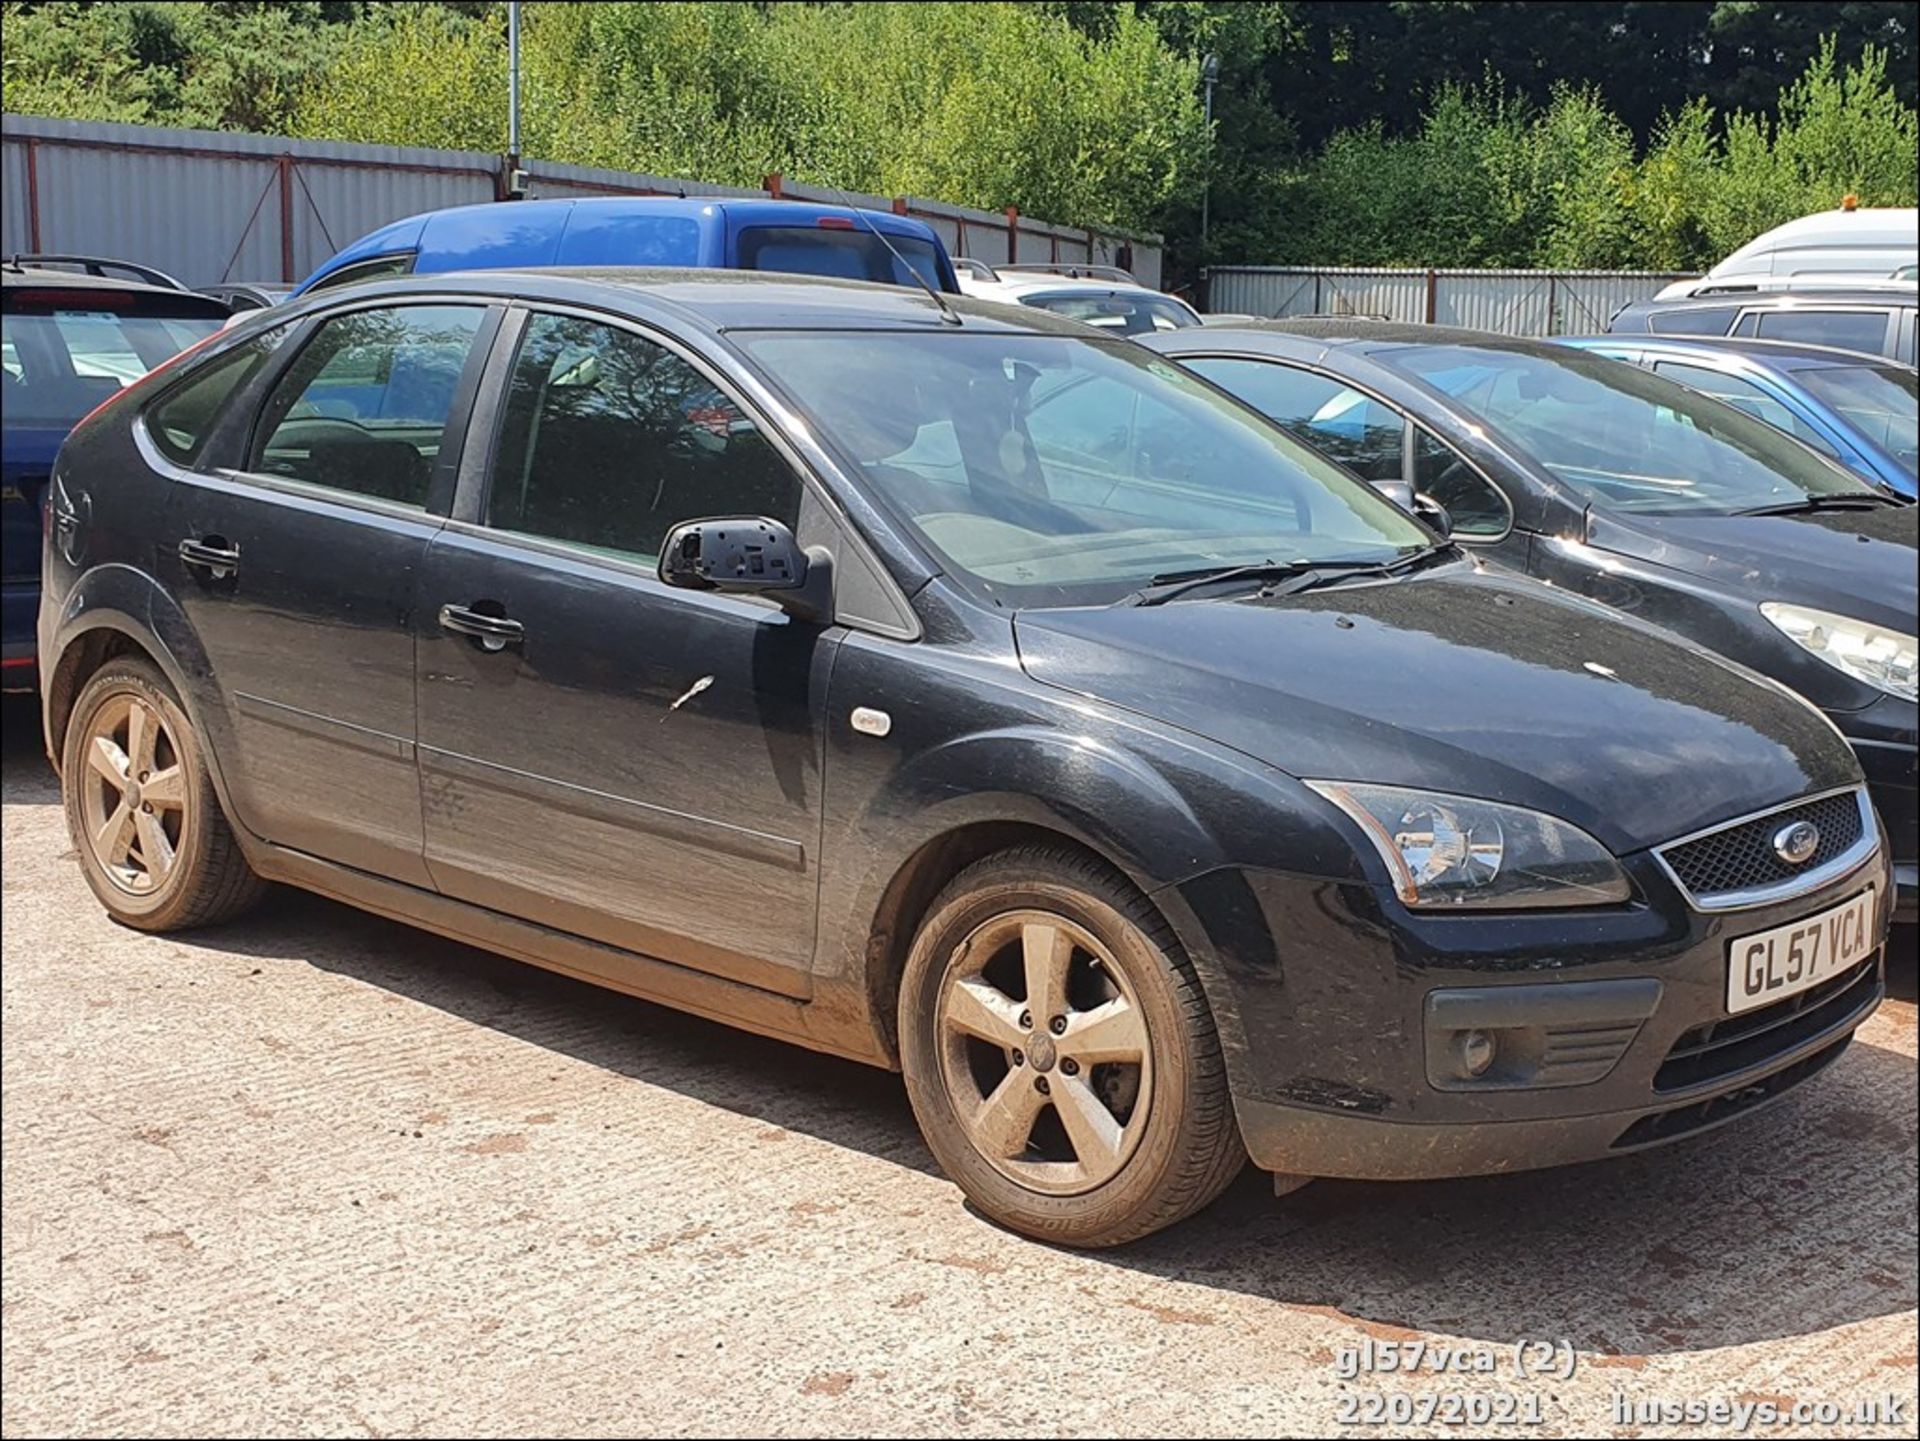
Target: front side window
1882,402
1355,429
1477,509
610,440
1742,394
378,269
65,352
364,407
1863,330
1621,436
1054,470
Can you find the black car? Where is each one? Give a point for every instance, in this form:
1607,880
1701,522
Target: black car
1628,488
1873,320
951,688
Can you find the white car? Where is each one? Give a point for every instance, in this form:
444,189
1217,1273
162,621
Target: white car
1123,307
1849,246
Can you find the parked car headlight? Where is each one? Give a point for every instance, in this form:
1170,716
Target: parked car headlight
1884,659
1447,850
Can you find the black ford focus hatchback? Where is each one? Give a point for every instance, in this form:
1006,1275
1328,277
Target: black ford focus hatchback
952,688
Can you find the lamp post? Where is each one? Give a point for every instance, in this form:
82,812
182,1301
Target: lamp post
516,180
1209,76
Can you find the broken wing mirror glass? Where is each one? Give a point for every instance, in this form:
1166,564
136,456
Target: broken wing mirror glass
749,555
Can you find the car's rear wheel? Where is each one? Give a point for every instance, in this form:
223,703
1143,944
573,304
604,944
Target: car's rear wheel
153,842
1060,1055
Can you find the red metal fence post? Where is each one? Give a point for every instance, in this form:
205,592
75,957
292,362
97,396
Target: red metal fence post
285,163
771,184
1433,295
1013,234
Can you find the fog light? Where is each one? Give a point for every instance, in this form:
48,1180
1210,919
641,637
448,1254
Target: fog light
1475,1050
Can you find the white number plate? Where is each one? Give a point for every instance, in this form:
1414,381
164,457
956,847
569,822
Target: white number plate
1772,965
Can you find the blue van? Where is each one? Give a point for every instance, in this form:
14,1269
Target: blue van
788,235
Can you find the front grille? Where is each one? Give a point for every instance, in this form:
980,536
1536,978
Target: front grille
1740,857
1670,1125
1739,1043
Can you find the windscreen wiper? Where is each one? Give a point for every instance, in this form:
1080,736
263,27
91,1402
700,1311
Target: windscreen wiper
1276,577
1813,504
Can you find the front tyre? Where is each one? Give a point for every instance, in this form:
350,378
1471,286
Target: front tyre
154,844
1060,1055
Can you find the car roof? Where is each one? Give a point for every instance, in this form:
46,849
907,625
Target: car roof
1353,334
1780,354
1886,293
721,300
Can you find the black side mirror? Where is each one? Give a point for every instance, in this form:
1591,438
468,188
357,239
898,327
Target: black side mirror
1436,515
1397,491
749,555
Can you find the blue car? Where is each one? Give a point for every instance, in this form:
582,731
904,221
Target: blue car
786,235
71,341
1858,410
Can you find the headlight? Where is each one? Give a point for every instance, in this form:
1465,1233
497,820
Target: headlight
1456,851
1884,659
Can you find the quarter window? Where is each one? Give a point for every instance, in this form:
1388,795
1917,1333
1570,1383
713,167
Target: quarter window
610,440
1703,320
182,420
1337,420
1476,507
364,407
378,269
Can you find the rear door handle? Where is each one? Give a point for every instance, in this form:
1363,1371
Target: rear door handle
220,560
494,632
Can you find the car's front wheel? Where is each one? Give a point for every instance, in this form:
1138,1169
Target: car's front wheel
1060,1054
153,842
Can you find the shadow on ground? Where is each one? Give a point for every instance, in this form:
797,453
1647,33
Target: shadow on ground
1789,1223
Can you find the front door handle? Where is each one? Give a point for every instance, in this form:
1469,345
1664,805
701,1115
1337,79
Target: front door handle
212,555
494,632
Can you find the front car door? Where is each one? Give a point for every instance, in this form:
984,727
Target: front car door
1762,402
600,753
299,557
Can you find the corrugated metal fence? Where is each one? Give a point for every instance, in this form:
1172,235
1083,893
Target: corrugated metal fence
1514,302
208,206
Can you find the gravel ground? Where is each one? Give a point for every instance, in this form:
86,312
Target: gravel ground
317,1173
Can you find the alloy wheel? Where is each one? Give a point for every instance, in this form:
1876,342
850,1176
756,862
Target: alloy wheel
133,802
1044,1051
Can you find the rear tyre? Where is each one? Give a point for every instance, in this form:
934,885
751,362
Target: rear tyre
154,843
1060,1055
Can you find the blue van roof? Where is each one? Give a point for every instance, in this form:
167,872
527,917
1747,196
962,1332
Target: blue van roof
602,230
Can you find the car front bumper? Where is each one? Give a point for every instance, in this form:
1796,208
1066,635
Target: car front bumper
1338,1022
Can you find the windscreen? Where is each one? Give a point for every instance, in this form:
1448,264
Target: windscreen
1054,470
64,352
1620,436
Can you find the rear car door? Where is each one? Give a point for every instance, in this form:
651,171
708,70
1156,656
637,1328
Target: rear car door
298,559
600,753
65,349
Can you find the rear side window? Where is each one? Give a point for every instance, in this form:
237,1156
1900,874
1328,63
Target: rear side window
183,418
1862,330
848,253
1705,320
610,440
1337,420
364,407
